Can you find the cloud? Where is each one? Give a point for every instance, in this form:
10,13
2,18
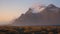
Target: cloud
38,8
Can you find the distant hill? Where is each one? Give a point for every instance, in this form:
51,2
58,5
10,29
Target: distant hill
49,15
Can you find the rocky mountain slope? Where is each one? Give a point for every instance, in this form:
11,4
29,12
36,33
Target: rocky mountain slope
49,15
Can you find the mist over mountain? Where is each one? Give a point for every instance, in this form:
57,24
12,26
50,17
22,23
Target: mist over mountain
42,15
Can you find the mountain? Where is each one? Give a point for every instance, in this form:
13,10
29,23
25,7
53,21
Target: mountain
49,15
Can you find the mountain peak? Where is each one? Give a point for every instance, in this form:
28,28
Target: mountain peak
51,6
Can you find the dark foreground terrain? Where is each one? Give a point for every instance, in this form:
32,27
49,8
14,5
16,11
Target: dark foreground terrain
29,29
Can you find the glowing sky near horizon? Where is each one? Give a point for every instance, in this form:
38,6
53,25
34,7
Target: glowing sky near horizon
11,9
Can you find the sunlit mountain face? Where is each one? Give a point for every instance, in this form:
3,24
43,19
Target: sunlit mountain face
41,15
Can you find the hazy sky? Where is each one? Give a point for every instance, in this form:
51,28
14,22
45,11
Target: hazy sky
10,9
